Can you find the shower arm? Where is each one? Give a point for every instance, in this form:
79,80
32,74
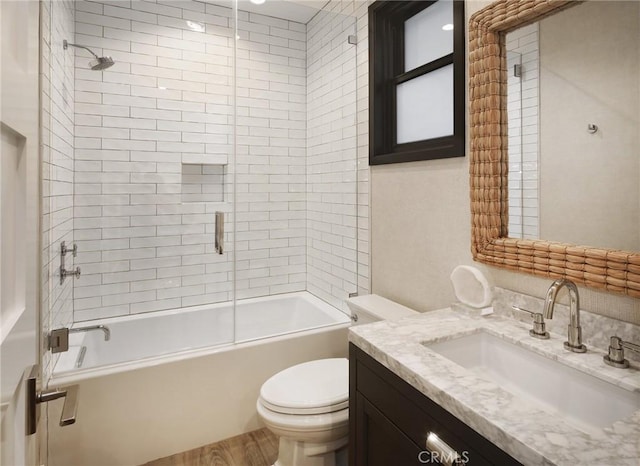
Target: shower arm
66,45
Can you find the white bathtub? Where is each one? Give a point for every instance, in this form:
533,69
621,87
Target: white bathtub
171,381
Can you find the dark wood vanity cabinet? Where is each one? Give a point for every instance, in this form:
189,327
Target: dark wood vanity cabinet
389,422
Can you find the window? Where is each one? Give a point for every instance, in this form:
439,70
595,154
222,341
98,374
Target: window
416,80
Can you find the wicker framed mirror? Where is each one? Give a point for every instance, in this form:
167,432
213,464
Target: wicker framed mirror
608,269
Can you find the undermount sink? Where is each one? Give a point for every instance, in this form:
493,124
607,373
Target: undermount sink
585,401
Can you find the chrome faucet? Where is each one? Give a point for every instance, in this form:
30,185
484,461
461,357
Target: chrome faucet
574,342
104,328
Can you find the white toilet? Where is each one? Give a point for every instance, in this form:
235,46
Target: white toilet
307,405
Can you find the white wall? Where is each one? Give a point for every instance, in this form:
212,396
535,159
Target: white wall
421,231
591,179
57,120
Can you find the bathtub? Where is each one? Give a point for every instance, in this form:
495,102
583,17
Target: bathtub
171,381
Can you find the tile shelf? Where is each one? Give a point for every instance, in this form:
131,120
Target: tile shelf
203,159
212,206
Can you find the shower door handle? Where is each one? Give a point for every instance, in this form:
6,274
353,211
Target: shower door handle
219,232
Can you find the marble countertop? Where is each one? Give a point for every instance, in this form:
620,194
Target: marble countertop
522,429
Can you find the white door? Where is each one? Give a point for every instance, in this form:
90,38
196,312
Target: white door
19,222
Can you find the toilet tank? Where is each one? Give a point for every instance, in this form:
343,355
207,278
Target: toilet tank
371,308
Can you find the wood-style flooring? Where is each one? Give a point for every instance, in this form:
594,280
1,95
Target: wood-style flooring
257,448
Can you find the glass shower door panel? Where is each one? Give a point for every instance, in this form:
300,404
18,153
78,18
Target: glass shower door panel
271,164
332,176
296,224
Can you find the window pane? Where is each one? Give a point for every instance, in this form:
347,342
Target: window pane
425,106
425,39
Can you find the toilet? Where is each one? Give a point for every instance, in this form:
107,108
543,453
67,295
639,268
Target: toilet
307,405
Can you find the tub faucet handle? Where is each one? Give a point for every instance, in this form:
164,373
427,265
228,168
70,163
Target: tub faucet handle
539,328
64,249
64,273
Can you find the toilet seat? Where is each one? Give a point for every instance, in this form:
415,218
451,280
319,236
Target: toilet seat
315,387
332,424
305,411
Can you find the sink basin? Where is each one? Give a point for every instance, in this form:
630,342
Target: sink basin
587,402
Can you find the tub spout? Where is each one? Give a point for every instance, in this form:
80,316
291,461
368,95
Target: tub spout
103,328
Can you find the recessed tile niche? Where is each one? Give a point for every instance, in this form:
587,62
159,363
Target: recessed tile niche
203,182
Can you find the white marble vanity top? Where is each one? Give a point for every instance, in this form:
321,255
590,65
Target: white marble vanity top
526,432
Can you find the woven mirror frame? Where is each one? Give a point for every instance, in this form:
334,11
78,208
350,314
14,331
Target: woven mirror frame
606,269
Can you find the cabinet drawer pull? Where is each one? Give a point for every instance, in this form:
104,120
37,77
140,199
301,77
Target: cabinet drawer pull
446,455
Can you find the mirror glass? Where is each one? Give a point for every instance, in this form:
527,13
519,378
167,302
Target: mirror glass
574,126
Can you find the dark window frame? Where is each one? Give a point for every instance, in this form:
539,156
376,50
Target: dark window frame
386,71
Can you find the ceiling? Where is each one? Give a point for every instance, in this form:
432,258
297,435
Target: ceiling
300,11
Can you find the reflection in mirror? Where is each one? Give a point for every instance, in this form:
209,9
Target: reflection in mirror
574,126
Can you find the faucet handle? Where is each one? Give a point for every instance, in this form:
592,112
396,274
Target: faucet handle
615,357
539,328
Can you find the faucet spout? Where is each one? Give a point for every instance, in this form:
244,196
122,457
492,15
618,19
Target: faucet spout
574,340
103,328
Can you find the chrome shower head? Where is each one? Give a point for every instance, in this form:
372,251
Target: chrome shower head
99,64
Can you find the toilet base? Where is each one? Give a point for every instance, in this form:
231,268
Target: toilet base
296,453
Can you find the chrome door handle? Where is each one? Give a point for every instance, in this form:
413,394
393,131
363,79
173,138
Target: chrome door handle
446,455
34,397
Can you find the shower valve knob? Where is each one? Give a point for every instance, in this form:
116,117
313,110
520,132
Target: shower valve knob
64,249
64,273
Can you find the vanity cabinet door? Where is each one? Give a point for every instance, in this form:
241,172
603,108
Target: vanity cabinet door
380,442
390,422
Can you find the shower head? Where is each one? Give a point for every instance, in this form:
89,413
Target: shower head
99,64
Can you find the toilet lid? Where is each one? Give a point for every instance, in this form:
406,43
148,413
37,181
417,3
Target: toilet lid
314,387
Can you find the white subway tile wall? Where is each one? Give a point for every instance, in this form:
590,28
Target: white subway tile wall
152,137
57,133
522,107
